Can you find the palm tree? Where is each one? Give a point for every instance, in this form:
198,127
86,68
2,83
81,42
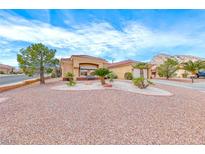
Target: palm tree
194,67
141,66
102,72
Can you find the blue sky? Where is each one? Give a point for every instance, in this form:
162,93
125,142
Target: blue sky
110,34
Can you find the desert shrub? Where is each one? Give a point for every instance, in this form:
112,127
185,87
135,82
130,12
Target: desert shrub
71,83
141,82
185,74
53,75
70,77
111,76
128,76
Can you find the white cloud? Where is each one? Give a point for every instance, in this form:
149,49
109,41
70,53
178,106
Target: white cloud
94,39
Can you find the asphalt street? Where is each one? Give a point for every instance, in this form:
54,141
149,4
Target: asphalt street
9,79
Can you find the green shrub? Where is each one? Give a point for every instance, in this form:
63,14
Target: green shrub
53,75
70,77
141,82
71,83
111,76
1,72
128,76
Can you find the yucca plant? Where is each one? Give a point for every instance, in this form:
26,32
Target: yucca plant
70,77
141,82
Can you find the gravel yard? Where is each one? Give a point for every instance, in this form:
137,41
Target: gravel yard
39,115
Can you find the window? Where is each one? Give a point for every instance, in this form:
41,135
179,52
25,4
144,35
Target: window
86,70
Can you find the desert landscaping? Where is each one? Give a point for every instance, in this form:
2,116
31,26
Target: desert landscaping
42,114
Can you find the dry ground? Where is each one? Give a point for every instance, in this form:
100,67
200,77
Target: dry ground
38,115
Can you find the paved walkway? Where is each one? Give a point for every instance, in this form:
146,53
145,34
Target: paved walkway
195,86
116,85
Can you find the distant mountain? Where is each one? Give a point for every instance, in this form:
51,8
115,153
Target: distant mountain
160,58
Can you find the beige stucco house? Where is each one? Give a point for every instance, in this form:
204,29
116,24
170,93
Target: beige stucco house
81,65
120,68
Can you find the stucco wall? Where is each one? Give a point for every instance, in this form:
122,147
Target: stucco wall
121,70
66,66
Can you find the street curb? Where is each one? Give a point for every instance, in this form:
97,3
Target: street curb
17,85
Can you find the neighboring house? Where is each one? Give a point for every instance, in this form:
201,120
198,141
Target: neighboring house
81,65
161,58
6,69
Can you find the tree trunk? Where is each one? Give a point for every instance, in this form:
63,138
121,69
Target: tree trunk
192,80
42,79
102,79
192,77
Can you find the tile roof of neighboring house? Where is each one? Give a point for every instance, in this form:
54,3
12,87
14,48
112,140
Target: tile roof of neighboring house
5,66
121,63
87,56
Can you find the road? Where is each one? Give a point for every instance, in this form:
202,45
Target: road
13,79
196,86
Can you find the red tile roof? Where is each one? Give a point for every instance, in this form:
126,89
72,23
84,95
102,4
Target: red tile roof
87,56
121,63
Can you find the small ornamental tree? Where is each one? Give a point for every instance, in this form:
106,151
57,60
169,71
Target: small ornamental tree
102,72
168,68
36,58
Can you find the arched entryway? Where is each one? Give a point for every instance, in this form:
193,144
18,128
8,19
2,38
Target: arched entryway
86,69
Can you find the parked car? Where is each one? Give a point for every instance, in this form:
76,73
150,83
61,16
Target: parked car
200,74
90,77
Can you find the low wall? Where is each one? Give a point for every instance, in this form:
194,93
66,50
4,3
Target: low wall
19,84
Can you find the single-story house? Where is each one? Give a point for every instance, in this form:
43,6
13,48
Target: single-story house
120,68
180,73
82,66
6,69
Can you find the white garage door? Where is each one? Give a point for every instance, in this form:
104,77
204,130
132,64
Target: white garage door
136,73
